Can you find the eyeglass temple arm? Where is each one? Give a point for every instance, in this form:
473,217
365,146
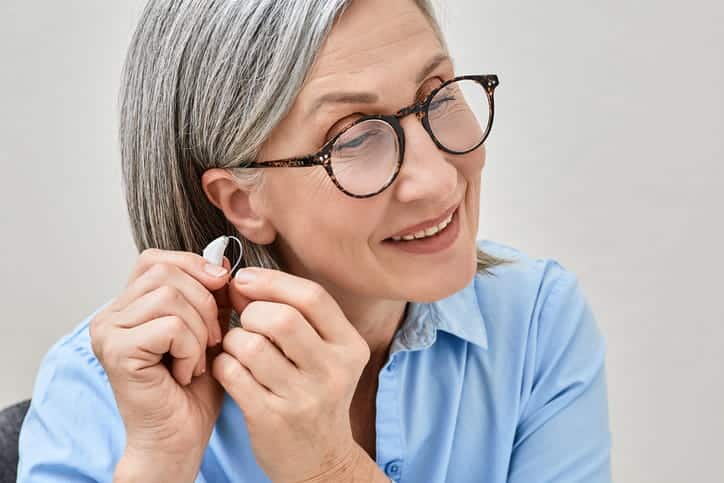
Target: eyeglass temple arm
315,160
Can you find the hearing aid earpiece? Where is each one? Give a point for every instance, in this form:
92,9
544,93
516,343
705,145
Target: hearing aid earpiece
214,251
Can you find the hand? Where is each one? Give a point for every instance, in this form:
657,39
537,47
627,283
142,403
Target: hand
293,369
169,307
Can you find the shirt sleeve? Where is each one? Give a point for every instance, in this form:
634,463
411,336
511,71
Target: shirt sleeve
563,433
72,431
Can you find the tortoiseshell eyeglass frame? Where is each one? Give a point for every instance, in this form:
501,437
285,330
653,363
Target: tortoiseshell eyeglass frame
324,156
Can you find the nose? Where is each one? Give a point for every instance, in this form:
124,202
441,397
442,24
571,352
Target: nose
426,174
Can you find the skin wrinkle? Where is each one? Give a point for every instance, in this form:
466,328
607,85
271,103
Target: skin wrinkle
370,281
424,38
325,75
345,101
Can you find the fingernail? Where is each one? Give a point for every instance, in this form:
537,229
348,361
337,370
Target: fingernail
245,276
214,270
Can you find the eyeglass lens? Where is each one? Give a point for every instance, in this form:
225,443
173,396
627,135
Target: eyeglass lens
365,157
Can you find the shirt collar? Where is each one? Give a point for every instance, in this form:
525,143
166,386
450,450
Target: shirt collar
458,314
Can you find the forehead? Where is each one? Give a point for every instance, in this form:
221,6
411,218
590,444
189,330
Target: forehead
374,43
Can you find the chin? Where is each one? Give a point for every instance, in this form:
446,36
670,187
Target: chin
449,279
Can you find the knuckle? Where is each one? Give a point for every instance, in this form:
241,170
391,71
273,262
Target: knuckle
285,324
229,369
111,356
314,295
363,354
95,335
254,311
175,323
148,255
167,294
127,365
160,271
353,360
283,318
337,385
363,349
256,344
94,325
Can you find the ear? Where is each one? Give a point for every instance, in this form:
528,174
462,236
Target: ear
239,205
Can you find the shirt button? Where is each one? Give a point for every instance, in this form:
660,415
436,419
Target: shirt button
392,469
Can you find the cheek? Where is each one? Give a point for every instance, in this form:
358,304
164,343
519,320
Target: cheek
310,210
470,165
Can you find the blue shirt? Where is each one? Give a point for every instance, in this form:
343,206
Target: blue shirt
501,381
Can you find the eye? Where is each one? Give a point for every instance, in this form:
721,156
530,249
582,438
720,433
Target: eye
441,101
358,141
340,126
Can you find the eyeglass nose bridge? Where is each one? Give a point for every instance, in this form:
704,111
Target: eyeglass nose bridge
419,109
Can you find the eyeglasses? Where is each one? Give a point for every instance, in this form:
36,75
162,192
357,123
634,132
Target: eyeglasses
366,157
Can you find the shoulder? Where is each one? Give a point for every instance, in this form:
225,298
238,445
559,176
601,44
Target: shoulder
72,425
74,347
71,360
547,356
534,301
525,280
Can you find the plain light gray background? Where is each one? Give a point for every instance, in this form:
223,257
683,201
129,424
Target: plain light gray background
606,155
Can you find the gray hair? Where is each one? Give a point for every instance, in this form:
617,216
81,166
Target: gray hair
203,85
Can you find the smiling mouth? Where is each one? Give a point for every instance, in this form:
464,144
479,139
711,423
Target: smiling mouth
428,233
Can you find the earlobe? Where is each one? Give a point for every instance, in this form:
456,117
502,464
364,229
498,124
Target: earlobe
238,206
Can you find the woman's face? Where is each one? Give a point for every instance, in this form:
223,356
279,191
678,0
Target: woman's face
379,47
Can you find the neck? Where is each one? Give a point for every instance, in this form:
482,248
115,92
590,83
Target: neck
376,321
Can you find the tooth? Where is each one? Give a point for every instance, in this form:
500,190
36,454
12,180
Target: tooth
425,233
432,231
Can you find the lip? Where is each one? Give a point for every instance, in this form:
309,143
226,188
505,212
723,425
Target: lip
426,224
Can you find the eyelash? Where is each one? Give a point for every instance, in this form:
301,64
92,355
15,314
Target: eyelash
333,132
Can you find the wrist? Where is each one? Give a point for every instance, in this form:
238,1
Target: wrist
357,467
149,467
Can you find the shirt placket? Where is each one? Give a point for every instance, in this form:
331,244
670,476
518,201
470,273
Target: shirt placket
390,435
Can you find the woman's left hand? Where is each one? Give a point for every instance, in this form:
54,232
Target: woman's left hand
293,369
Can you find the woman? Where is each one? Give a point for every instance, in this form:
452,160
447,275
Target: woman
355,351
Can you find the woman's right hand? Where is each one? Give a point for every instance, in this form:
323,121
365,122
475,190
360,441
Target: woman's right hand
170,305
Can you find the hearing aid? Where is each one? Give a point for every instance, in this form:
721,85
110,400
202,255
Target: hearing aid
214,251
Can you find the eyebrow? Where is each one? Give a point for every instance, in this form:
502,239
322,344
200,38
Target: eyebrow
371,97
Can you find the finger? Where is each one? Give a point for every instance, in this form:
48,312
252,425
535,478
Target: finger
167,334
251,396
223,304
165,300
189,262
288,330
263,359
310,298
195,293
